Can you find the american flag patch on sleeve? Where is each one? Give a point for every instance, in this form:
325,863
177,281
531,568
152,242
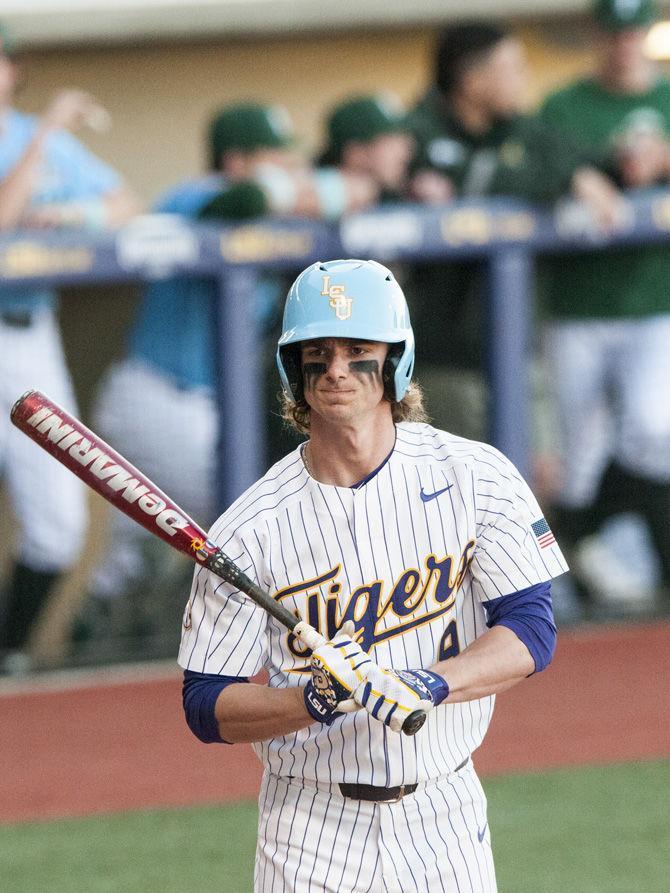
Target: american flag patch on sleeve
543,533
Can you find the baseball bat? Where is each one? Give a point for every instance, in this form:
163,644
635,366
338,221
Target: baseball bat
118,481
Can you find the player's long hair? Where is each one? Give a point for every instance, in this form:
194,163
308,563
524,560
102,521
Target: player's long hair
296,413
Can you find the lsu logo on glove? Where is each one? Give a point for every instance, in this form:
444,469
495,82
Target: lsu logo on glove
412,679
324,687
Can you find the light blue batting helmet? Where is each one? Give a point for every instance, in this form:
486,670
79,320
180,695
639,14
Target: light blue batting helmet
347,299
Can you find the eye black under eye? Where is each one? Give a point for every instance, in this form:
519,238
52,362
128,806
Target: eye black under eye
370,367
313,370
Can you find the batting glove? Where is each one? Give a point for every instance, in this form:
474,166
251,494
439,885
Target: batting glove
338,668
390,696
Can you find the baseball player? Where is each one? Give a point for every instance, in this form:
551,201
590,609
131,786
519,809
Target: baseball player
424,561
608,340
474,139
368,136
47,179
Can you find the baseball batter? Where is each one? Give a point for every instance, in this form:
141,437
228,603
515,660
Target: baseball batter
422,558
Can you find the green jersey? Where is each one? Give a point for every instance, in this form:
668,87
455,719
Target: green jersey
522,156
631,282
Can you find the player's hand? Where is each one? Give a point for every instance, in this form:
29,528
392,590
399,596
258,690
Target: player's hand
70,109
606,206
338,668
51,216
431,188
644,159
362,191
390,696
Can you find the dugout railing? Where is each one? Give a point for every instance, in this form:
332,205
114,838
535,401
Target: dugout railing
507,236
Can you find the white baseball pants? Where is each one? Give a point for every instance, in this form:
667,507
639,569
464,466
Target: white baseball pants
313,840
48,500
611,382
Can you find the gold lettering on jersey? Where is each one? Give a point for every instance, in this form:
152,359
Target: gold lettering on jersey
340,303
417,597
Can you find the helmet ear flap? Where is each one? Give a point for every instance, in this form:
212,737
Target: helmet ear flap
391,362
290,357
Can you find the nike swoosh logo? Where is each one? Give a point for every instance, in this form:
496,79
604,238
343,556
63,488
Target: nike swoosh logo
480,834
426,497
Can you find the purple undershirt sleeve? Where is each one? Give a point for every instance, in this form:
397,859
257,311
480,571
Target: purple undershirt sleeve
529,614
199,694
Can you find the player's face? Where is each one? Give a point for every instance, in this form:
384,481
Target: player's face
623,50
239,165
389,156
502,80
343,378
286,158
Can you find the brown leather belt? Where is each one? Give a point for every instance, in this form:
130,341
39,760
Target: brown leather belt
382,795
377,795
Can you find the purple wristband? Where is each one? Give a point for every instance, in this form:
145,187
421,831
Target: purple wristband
436,684
317,706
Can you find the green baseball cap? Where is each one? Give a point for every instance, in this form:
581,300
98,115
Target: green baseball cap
619,15
361,120
244,127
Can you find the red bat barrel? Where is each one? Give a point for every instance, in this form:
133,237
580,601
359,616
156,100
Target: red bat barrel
108,473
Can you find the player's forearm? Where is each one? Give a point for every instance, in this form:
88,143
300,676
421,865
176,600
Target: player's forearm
491,664
16,188
248,712
94,213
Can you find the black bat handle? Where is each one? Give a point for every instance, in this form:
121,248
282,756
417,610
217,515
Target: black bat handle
222,566
413,722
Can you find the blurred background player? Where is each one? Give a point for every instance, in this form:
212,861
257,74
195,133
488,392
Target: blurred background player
475,139
158,404
368,136
608,343
47,179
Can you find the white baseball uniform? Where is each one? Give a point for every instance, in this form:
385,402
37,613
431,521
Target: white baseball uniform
50,502
50,506
445,525
597,358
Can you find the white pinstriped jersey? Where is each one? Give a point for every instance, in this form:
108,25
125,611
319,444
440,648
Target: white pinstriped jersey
409,556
